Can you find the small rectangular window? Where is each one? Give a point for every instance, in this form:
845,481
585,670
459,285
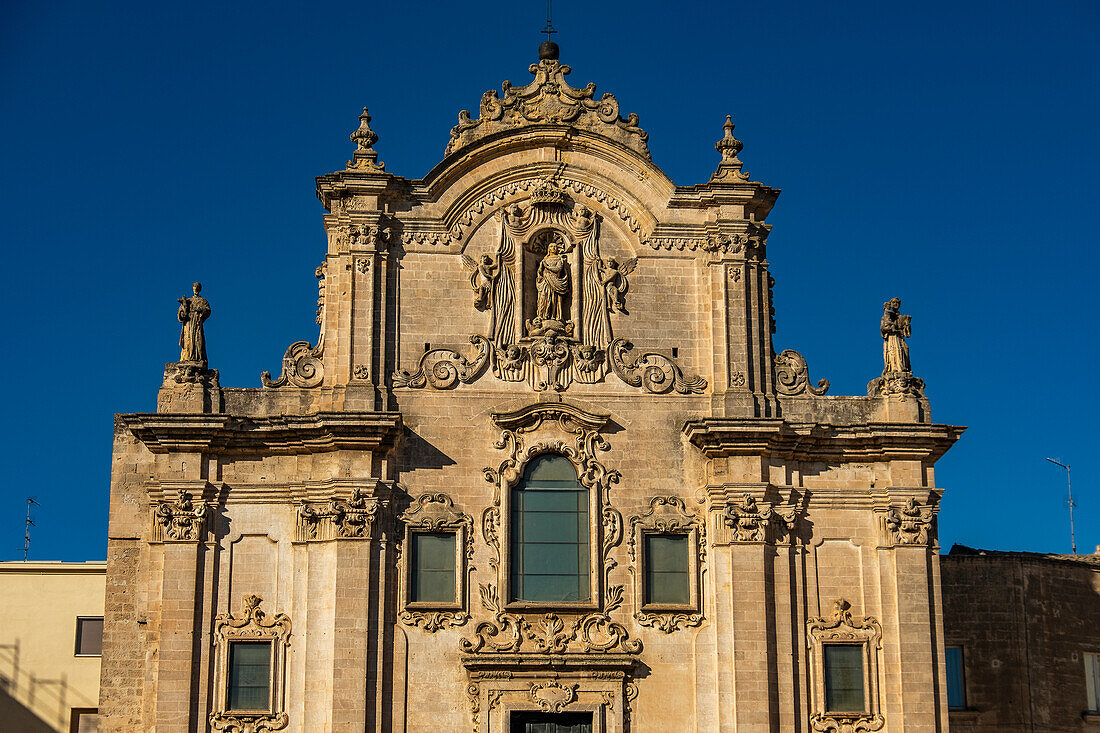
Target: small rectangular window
844,678
84,720
432,563
89,636
956,687
1092,682
249,675
667,580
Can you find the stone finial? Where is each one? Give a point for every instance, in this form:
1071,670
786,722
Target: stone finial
365,157
728,147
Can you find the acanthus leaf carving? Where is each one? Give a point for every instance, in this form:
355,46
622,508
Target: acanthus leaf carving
669,622
350,518
792,375
910,525
181,520
433,621
750,521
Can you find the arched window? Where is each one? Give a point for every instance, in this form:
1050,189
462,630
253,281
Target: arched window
550,531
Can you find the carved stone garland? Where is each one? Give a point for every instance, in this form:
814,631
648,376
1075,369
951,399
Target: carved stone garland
252,624
910,525
180,520
549,353
350,518
844,629
667,515
436,513
792,375
550,634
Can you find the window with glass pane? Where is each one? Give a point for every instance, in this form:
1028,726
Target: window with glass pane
249,675
89,636
549,534
844,678
1092,681
432,562
666,569
956,689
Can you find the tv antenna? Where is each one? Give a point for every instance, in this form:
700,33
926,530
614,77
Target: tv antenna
549,25
27,532
1069,501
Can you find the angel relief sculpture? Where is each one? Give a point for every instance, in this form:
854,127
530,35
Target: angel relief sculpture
550,297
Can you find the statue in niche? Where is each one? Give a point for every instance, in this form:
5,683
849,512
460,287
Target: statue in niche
895,328
193,313
552,287
483,273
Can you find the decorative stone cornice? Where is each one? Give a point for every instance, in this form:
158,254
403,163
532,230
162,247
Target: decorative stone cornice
717,437
316,433
549,99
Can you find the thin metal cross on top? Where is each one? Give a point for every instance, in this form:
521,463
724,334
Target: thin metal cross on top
549,26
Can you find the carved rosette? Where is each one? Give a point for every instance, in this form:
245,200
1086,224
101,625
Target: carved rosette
843,628
436,513
350,518
548,99
251,624
792,375
752,522
912,524
181,520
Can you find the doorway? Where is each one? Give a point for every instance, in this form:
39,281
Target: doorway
551,723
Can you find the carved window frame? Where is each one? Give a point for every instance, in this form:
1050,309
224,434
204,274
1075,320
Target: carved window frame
668,516
251,624
843,629
436,514
595,559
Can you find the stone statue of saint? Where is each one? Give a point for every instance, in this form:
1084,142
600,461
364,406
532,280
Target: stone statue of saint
192,313
552,285
895,329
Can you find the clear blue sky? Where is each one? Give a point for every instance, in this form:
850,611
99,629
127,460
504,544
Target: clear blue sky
942,152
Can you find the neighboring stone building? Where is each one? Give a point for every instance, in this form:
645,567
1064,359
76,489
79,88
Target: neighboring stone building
1025,631
51,626
542,467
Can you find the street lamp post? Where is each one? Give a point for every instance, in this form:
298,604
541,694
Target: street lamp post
1069,490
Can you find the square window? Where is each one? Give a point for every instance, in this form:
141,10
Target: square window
844,692
956,687
89,636
249,676
432,566
1092,682
84,720
667,574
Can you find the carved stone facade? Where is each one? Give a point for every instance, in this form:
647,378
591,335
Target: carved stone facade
545,293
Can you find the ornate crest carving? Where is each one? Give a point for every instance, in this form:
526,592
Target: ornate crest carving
552,696
792,375
549,99
350,518
181,520
750,521
910,525
843,628
251,624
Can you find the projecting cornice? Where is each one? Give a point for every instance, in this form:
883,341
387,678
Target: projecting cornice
317,433
732,437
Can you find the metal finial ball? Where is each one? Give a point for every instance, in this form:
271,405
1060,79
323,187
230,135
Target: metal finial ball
548,50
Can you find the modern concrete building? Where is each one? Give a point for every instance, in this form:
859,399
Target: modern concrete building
541,469
51,629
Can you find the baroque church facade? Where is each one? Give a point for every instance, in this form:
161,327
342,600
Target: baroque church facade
542,469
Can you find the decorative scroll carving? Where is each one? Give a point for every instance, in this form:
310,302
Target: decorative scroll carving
350,518
843,628
302,366
596,632
444,369
751,522
911,525
729,169
656,373
433,621
669,622
552,696
181,520
252,624
666,515
365,156
549,99
792,375
897,373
